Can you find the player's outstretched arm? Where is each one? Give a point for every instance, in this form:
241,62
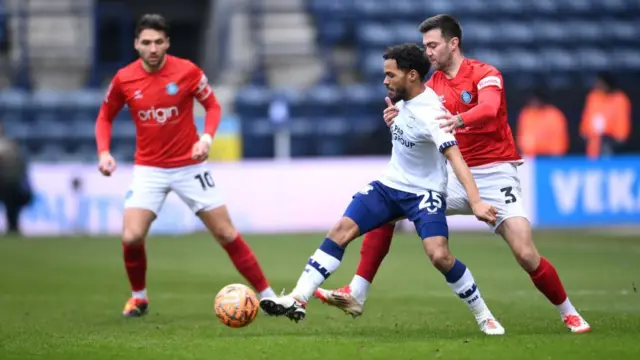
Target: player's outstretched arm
481,210
489,100
112,104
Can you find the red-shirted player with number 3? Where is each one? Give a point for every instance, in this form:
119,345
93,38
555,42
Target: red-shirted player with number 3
170,156
473,93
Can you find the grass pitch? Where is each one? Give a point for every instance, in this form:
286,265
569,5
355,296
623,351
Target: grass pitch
62,299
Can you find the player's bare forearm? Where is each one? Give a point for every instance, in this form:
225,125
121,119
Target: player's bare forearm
462,172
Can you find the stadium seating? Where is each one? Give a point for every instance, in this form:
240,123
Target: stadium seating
3,22
553,43
54,126
556,43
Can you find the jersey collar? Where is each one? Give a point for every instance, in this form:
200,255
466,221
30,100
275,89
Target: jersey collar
463,73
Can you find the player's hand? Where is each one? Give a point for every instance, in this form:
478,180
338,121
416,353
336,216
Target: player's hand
200,151
390,112
484,212
450,122
107,164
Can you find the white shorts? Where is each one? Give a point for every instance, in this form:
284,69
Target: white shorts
498,185
193,184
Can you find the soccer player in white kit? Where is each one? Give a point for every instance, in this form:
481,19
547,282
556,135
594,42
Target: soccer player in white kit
473,93
414,186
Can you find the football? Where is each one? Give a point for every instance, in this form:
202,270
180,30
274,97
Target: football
236,305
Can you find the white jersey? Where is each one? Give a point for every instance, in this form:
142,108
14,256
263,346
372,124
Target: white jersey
417,163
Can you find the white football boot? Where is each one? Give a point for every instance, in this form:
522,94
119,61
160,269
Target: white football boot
491,326
341,298
284,305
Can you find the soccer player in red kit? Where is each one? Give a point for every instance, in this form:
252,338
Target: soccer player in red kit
170,156
473,94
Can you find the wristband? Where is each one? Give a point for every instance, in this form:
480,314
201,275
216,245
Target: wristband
206,138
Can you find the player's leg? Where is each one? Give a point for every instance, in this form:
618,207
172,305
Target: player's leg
218,222
195,186
143,201
516,231
428,213
375,246
502,190
351,298
136,225
368,210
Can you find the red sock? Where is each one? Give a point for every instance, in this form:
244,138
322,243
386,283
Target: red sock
135,261
546,279
246,263
375,246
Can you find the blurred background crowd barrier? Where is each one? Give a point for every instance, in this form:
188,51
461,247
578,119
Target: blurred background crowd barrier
300,82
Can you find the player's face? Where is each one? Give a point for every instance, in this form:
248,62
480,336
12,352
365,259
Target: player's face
395,80
438,48
152,45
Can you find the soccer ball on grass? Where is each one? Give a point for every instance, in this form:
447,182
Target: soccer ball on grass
236,305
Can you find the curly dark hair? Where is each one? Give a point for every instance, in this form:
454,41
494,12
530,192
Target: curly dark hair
409,57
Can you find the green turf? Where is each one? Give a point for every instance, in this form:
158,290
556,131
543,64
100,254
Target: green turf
62,298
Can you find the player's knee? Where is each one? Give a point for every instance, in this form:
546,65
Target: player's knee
439,254
132,236
136,225
442,260
225,235
343,232
224,232
517,234
219,224
528,258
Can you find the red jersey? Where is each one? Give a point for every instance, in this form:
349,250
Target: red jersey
477,94
161,105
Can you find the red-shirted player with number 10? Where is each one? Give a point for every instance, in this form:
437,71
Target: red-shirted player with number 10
473,93
170,156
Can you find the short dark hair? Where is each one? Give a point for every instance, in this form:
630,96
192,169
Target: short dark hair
409,57
154,22
448,25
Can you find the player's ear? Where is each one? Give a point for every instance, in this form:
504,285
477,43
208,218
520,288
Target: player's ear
168,42
413,75
455,42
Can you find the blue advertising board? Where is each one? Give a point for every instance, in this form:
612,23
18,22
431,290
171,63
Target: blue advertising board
576,191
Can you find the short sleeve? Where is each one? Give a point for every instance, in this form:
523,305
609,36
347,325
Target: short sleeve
442,139
431,126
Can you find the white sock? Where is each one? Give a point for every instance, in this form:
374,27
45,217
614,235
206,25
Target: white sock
142,294
566,308
268,292
320,266
465,287
360,288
